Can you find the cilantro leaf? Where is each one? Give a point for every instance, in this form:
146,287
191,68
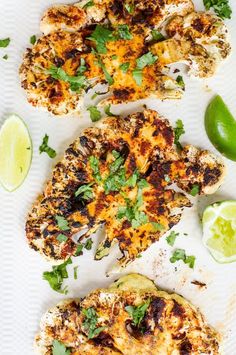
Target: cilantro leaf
4,42
75,272
33,39
157,36
88,4
56,277
62,223
171,238
195,190
221,7
138,76
157,226
101,35
146,59
129,8
108,112
116,178
77,82
178,130
123,32
88,244
79,249
94,164
90,322
132,180
95,114
85,191
62,238
125,67
44,148
179,254
5,57
108,77
180,82
59,348
137,313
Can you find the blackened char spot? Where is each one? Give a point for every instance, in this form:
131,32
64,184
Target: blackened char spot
87,143
123,94
72,53
81,175
58,61
198,25
104,339
71,151
178,310
211,176
156,309
185,347
117,8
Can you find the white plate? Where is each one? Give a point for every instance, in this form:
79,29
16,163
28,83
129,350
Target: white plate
24,296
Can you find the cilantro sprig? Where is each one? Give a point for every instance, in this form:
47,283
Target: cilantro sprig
171,238
179,254
179,131
85,192
90,322
44,148
142,62
95,114
5,42
137,313
221,7
62,223
56,277
101,35
59,348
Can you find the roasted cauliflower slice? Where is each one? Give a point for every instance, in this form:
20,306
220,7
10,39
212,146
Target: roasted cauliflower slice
118,174
107,322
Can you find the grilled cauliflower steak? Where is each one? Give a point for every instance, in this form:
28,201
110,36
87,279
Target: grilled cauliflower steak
168,324
118,43
118,174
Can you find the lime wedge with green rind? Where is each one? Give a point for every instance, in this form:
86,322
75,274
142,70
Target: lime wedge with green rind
220,127
15,152
219,230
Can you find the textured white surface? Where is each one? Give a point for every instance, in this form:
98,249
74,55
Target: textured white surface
24,295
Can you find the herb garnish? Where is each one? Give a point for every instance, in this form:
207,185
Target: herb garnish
108,77
179,254
101,35
123,32
95,114
171,238
129,8
62,238
88,244
221,7
88,4
44,148
56,276
4,42
195,190
33,39
108,112
85,192
180,82
116,178
125,67
178,130
137,312
142,62
157,36
5,57
94,164
157,226
90,322
75,272
138,76
59,348
62,223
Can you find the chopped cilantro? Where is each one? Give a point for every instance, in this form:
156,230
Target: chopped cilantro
90,322
179,254
137,313
138,76
108,77
114,56
180,81
195,190
124,67
178,130
79,250
77,82
88,244
129,8
44,148
123,32
101,35
4,42
59,348
82,68
94,164
57,275
33,39
107,111
62,223
221,7
5,57
95,114
167,178
116,178
157,226
157,36
85,192
146,59
88,4
171,238
75,272
143,183
62,238
132,180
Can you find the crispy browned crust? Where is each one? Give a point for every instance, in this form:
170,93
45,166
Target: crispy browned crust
145,140
171,325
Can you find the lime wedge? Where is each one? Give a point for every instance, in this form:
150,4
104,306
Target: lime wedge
219,231
15,152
